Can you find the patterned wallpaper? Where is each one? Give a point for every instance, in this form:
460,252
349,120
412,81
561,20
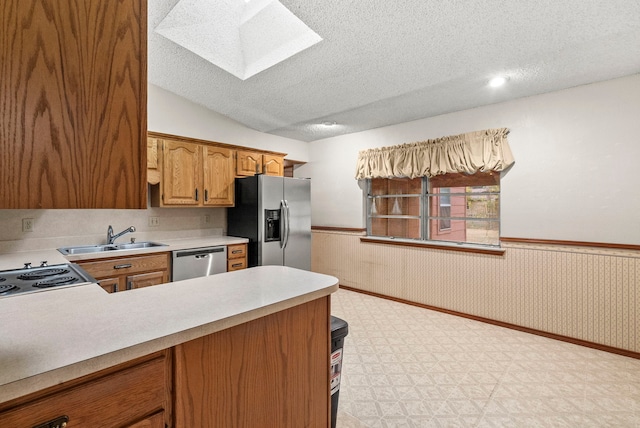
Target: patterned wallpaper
585,293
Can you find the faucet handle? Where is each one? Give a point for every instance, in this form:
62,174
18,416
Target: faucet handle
133,240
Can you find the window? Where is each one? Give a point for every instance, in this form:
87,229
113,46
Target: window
451,207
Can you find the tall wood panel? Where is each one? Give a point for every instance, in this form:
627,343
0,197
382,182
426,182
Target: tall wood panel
270,372
73,103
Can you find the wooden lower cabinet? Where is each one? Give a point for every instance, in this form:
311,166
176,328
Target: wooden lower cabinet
269,372
127,273
236,257
135,395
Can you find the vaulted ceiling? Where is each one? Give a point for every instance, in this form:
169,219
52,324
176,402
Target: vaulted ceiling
384,62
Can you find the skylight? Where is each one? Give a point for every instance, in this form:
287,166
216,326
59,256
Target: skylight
243,37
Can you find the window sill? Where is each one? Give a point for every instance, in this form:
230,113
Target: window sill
466,248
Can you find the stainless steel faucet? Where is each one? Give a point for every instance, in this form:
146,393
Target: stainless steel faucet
111,237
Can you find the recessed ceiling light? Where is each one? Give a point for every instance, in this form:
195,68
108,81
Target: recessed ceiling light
498,81
329,123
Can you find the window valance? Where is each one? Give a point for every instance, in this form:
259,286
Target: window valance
483,151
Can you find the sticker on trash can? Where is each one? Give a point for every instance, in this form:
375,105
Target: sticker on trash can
336,368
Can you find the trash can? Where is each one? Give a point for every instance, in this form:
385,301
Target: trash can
339,330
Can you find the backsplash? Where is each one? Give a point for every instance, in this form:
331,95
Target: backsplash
57,228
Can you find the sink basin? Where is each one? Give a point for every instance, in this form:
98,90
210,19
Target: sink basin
84,249
135,245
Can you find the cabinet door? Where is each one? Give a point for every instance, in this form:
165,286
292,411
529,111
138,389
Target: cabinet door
181,173
218,176
248,163
116,400
274,165
111,285
146,279
73,104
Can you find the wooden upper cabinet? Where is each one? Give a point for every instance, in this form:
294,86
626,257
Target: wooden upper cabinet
73,104
218,178
196,175
248,163
252,163
273,165
181,173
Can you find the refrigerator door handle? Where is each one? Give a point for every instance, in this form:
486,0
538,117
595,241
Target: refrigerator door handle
283,223
286,205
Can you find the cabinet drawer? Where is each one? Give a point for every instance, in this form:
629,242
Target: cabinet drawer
115,400
126,265
236,264
236,251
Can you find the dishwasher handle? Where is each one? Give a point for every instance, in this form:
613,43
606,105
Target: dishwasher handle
199,253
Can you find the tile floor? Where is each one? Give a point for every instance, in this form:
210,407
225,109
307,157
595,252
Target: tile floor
406,366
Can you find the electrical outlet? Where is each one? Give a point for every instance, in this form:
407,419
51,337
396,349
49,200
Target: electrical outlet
207,219
154,221
27,225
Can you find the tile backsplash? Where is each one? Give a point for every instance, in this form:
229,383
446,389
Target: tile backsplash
57,228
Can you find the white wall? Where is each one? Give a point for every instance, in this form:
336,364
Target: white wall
172,114
576,175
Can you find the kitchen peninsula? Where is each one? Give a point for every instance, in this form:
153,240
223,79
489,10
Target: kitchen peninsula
244,348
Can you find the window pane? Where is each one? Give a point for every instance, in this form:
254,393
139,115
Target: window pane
483,232
397,227
456,208
407,205
483,206
470,231
395,186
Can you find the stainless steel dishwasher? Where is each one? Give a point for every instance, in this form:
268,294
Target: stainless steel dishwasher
196,262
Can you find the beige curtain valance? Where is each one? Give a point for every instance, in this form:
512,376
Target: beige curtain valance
469,153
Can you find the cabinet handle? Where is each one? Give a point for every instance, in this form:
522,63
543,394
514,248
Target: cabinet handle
196,195
129,285
236,251
59,422
115,287
206,195
124,266
236,265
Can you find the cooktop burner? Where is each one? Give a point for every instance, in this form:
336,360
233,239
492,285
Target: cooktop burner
55,281
31,279
41,274
5,288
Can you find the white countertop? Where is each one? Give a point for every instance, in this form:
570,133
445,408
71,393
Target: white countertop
65,333
17,260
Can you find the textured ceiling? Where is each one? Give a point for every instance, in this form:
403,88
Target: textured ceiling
384,62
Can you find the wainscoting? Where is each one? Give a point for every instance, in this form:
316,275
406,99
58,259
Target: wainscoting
590,294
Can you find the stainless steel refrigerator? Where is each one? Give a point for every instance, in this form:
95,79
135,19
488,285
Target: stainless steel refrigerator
274,213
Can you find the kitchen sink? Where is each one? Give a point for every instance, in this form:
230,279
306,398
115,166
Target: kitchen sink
85,249
135,245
